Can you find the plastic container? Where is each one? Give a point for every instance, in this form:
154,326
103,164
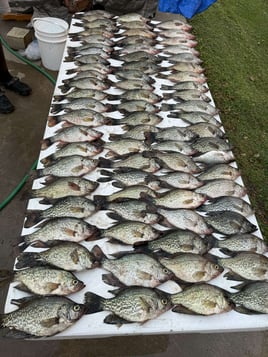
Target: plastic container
51,34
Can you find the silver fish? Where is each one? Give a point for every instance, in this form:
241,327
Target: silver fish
241,242
175,133
124,146
85,83
192,106
66,229
137,94
130,84
221,187
174,146
82,149
206,130
63,187
140,118
228,223
178,162
136,161
84,117
251,299
137,132
185,219
220,171
125,177
69,256
133,75
135,106
173,25
177,179
181,86
134,304
191,268
176,76
185,66
206,144
214,157
170,33
133,192
81,93
201,299
80,104
197,117
190,94
41,316
228,203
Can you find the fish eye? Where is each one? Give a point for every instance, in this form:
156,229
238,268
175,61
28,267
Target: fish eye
217,267
165,270
164,301
75,282
76,308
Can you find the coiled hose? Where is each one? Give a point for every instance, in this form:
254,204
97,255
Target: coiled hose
53,81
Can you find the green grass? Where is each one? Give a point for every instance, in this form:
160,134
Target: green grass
233,43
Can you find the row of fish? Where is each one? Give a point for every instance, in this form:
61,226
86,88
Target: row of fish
134,139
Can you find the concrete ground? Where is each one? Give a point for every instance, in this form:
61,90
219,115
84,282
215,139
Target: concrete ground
20,134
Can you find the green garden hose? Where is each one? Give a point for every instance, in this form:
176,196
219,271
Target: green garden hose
53,81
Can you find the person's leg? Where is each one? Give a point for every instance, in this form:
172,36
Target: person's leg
8,81
5,105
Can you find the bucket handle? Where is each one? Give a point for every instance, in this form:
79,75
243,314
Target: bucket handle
47,20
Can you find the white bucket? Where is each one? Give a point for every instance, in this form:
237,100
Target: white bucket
51,34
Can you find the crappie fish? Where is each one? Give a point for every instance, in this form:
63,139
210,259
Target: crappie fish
76,207
185,219
201,299
197,117
139,32
46,281
63,187
137,56
84,117
214,157
179,241
132,269
84,83
241,242
170,33
146,67
177,162
99,67
191,268
177,179
138,94
124,146
64,229
192,106
133,75
81,104
190,94
138,132
245,266
133,192
81,93
136,106
173,25
206,144
124,177
77,133
69,256
220,171
206,130
174,133
130,232
69,166
185,66
133,210
132,16
187,56
133,304
251,299
176,76
221,187
81,149
228,223
177,198
130,84
174,146
41,316
181,86
140,118
228,203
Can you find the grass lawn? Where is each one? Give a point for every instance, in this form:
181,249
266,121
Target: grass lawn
233,41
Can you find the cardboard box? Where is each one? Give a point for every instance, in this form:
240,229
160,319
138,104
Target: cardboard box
19,38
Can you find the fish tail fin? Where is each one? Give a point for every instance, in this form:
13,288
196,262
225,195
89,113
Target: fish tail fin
93,303
58,98
211,241
27,259
45,143
64,88
6,276
32,218
98,253
105,162
56,108
100,201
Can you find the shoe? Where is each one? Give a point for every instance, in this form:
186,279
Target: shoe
15,85
5,105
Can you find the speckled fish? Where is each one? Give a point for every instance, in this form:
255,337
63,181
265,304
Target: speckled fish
137,56
135,106
185,219
187,56
81,149
81,93
198,117
182,49
228,203
138,132
104,52
140,118
64,229
69,166
228,223
87,32
135,40
206,130
88,73
245,266
132,16
240,243
134,161
133,192
177,179
123,147
84,83
177,198
93,15
206,144
192,106
130,84
191,268
133,210
174,133
63,187
69,256
97,38
134,304
174,146
251,299
174,25
185,66
190,94
170,33
178,162
40,316
220,171
133,75
132,269
125,177
46,281
137,94
179,241
138,32
130,232
183,77
77,133
135,24
80,106
84,117
181,86
145,67
201,299
99,67
221,187
76,207
214,157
